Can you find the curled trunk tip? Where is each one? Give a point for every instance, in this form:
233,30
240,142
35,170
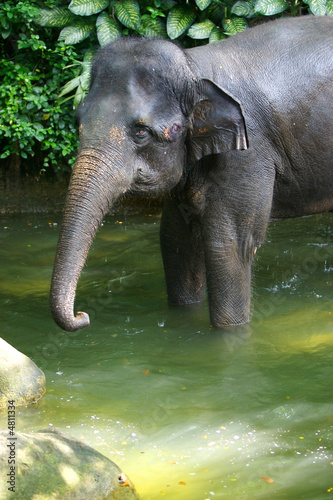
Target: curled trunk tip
64,318
80,320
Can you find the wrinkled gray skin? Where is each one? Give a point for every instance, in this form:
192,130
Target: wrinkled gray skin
235,133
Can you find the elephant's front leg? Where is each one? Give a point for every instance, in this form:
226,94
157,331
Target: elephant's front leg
237,207
228,268
182,252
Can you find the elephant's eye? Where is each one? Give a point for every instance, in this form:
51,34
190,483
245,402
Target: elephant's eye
141,134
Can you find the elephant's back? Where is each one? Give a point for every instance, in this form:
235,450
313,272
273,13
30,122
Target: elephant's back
270,55
274,38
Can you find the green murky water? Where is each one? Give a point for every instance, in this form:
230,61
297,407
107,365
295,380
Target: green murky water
186,411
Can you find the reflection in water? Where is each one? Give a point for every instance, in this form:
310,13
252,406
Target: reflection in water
187,411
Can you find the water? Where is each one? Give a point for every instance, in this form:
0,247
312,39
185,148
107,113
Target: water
187,411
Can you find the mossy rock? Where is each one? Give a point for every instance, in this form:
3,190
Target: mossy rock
20,379
51,465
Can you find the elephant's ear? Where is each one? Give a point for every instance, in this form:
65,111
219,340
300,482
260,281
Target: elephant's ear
216,124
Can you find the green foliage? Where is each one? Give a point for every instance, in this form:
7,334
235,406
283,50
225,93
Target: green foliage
243,8
34,126
180,19
128,13
80,82
317,7
58,17
329,7
77,31
203,4
108,29
47,49
233,25
87,7
16,13
190,21
201,30
32,122
269,7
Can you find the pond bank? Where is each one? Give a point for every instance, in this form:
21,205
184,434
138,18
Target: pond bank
34,195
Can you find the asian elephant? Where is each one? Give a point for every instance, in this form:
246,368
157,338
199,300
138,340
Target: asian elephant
235,134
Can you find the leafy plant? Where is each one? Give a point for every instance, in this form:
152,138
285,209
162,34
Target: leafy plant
191,21
34,127
80,82
32,122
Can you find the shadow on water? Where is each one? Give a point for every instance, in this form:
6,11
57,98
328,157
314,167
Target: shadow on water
188,411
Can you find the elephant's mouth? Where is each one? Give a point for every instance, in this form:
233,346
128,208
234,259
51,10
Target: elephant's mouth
154,184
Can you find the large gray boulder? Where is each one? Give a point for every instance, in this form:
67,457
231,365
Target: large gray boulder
20,379
52,465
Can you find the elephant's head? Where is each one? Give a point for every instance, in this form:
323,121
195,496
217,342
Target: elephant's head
146,119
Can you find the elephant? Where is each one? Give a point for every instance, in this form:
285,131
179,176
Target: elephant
233,134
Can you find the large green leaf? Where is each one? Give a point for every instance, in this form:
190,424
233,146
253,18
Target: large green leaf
108,29
201,30
6,28
203,4
168,4
270,7
69,86
234,25
215,13
87,7
329,7
180,18
80,83
77,31
216,35
152,28
317,7
57,17
87,65
80,94
128,13
85,77
243,8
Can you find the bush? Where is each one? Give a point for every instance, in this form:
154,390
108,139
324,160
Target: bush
32,122
192,22
35,129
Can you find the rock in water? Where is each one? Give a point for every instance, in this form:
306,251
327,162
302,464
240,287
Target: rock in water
20,379
52,465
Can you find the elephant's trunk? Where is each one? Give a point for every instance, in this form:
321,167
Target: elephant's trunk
93,188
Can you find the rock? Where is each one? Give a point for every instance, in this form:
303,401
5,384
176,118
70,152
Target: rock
52,465
20,379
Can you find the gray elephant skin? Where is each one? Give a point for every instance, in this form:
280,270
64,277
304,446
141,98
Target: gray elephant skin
234,134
